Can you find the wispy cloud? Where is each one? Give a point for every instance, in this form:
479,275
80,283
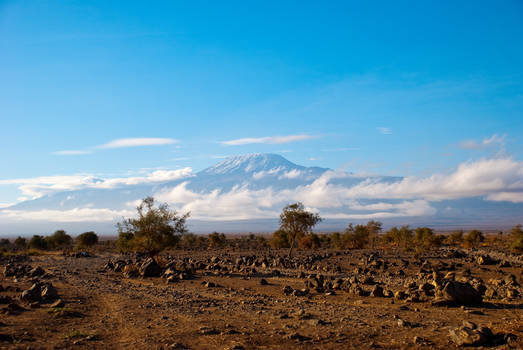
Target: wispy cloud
268,140
137,142
71,152
342,149
120,143
384,130
485,143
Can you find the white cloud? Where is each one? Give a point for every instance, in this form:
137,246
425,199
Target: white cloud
482,178
73,215
492,179
71,153
383,130
261,174
514,197
40,186
136,142
292,174
268,139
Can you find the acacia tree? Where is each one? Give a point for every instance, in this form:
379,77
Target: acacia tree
296,222
155,229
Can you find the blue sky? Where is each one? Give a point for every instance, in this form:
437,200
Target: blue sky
402,88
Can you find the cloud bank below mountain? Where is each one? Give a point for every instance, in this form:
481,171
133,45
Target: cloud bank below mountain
333,194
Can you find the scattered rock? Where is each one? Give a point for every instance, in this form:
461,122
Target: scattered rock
470,335
150,269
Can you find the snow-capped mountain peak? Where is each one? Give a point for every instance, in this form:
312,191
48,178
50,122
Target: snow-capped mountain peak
252,163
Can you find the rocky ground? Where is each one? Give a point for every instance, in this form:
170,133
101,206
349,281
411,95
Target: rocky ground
357,299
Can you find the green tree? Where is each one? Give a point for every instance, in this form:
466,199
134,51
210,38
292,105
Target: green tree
87,239
400,236
38,242
374,228
296,222
59,239
155,229
355,237
21,242
425,237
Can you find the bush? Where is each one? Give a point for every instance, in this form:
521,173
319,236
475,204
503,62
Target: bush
155,229
400,237
37,242
356,237
87,239
455,238
425,238
517,238
21,242
310,241
59,239
373,228
280,239
217,240
473,238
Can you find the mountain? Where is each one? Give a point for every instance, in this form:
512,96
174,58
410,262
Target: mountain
247,192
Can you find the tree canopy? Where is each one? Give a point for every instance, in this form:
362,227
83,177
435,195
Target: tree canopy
296,222
155,228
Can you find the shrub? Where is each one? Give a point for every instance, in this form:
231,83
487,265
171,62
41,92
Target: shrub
473,238
279,239
217,240
373,228
455,238
356,237
517,238
192,241
87,239
310,241
335,240
37,242
155,229
262,242
425,237
400,237
59,239
21,242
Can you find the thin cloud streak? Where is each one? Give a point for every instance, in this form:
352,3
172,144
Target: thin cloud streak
485,143
383,130
71,153
138,142
267,140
